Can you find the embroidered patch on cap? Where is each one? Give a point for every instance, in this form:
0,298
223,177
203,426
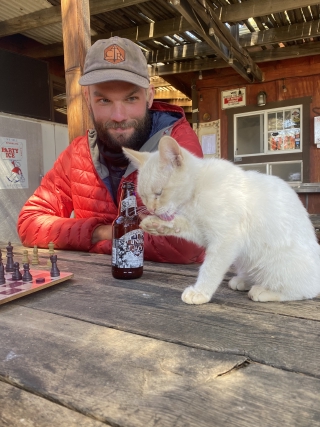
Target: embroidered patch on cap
114,54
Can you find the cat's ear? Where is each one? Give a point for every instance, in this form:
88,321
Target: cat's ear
136,157
170,151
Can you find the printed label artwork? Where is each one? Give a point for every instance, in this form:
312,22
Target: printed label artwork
13,163
127,252
129,202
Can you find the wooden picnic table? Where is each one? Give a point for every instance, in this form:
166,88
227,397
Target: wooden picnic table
96,351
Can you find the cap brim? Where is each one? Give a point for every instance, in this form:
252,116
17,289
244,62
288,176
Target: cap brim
101,76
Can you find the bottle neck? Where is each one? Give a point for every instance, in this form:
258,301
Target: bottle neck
128,202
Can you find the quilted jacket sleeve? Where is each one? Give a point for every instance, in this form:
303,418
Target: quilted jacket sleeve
45,217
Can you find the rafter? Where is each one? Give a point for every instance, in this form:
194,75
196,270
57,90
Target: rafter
254,8
52,15
243,65
295,51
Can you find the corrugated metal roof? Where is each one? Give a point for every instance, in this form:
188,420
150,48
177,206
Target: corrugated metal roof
13,8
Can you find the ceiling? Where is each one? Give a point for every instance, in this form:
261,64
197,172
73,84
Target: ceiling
181,38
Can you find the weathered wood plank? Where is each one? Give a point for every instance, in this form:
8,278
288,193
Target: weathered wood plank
129,380
78,262
152,306
19,408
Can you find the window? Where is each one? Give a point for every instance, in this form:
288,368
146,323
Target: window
288,171
272,140
271,132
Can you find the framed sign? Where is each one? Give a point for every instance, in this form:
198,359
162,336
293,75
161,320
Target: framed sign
233,98
209,138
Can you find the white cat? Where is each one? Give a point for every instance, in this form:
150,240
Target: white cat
254,221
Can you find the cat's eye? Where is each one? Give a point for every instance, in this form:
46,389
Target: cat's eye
158,193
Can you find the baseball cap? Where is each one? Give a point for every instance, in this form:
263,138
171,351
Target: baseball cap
115,58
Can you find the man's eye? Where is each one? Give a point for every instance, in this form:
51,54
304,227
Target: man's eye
103,100
132,98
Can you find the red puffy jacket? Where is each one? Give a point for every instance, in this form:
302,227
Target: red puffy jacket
73,184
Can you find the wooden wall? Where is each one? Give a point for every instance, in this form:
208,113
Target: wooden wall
301,77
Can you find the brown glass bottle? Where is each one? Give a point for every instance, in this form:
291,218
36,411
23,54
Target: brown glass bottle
127,237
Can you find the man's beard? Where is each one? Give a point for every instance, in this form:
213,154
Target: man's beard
142,128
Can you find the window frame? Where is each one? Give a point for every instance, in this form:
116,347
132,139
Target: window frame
303,155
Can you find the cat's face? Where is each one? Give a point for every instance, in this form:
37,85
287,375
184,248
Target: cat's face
162,178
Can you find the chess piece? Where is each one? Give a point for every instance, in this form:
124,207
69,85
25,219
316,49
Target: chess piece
9,265
16,275
25,258
54,272
27,276
2,276
35,258
51,252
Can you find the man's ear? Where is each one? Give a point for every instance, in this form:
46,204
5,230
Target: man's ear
137,158
150,95
170,151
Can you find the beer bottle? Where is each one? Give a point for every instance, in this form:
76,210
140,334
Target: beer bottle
127,237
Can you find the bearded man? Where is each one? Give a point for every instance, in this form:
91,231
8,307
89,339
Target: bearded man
77,201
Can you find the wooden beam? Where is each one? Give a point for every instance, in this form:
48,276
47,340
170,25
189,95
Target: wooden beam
228,37
52,15
170,94
22,23
138,33
171,26
255,8
288,52
76,33
102,6
305,30
220,48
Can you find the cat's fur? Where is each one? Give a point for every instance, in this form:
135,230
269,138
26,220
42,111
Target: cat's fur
252,221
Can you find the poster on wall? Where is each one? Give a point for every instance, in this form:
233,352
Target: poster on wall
233,98
13,163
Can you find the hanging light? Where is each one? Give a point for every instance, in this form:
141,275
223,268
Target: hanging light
200,75
211,29
284,87
261,99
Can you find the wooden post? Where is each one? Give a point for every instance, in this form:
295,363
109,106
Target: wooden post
76,42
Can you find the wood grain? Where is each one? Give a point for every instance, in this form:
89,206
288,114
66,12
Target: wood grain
128,380
20,408
152,306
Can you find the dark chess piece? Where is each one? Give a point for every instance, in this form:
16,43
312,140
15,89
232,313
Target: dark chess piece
27,276
54,272
16,275
2,276
9,265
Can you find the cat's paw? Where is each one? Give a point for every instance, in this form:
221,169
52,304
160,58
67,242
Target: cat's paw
156,226
238,284
260,294
191,296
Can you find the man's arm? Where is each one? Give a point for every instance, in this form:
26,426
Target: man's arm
45,216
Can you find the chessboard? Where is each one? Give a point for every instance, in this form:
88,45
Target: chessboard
14,289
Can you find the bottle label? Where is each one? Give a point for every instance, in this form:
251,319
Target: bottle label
127,252
129,202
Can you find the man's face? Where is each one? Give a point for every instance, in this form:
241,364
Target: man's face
120,114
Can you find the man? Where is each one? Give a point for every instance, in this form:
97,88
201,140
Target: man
86,177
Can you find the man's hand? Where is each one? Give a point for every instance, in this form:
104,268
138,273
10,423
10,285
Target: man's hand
103,232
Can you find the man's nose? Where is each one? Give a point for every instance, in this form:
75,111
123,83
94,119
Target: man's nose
118,112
